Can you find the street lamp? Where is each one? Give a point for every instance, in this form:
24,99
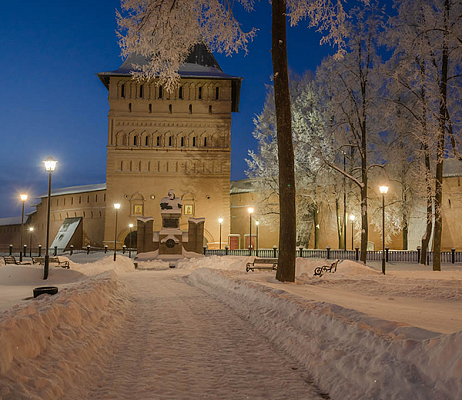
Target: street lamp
50,165
250,210
352,219
220,221
31,230
130,226
23,198
256,244
116,207
383,190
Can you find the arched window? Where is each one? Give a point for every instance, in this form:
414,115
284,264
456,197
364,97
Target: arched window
122,91
88,199
72,200
180,93
96,198
147,141
170,141
205,142
130,107
170,108
200,93
217,93
194,141
158,141
210,109
160,92
182,141
150,108
135,140
190,108
141,91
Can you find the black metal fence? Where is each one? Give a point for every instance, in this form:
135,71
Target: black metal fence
328,253
55,251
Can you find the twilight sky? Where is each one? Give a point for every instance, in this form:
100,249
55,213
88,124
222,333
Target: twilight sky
52,103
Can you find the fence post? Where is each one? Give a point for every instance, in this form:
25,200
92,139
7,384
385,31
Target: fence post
123,249
105,249
418,253
274,251
25,250
40,250
71,249
428,258
11,249
226,250
301,251
386,253
55,253
328,252
205,250
88,249
357,253
453,251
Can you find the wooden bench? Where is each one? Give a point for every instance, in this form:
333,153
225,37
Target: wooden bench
326,268
262,263
10,260
51,260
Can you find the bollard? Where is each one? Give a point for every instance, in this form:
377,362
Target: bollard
11,249
40,250
205,250
328,252
357,253
453,251
25,250
136,265
226,250
386,253
301,251
71,249
428,258
105,249
123,249
88,249
30,252
55,253
274,251
418,253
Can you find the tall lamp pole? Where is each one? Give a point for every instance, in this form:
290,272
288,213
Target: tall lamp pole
344,204
31,230
116,207
23,198
250,210
220,221
50,165
130,226
383,190
352,219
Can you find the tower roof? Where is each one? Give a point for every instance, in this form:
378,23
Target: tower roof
200,63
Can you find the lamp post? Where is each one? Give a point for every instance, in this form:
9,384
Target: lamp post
23,198
250,210
256,244
130,226
220,221
383,190
344,204
352,219
116,208
50,165
31,231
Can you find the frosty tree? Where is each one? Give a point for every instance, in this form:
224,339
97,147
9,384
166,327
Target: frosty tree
164,31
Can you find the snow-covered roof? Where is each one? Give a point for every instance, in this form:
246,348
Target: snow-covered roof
11,221
452,167
75,189
242,186
199,64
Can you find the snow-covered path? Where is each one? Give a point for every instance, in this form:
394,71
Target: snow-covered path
181,344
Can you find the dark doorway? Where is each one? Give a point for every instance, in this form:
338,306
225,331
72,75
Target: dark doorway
133,236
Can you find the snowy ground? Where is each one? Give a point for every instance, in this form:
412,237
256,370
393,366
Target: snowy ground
114,332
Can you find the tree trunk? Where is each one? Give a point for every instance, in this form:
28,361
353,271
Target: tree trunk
440,147
340,225
316,229
287,224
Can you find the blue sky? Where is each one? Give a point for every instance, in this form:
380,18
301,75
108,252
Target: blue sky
52,103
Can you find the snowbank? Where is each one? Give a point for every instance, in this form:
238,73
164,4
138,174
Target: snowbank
349,354
229,263
123,264
47,343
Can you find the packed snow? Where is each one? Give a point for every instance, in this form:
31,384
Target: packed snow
206,328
